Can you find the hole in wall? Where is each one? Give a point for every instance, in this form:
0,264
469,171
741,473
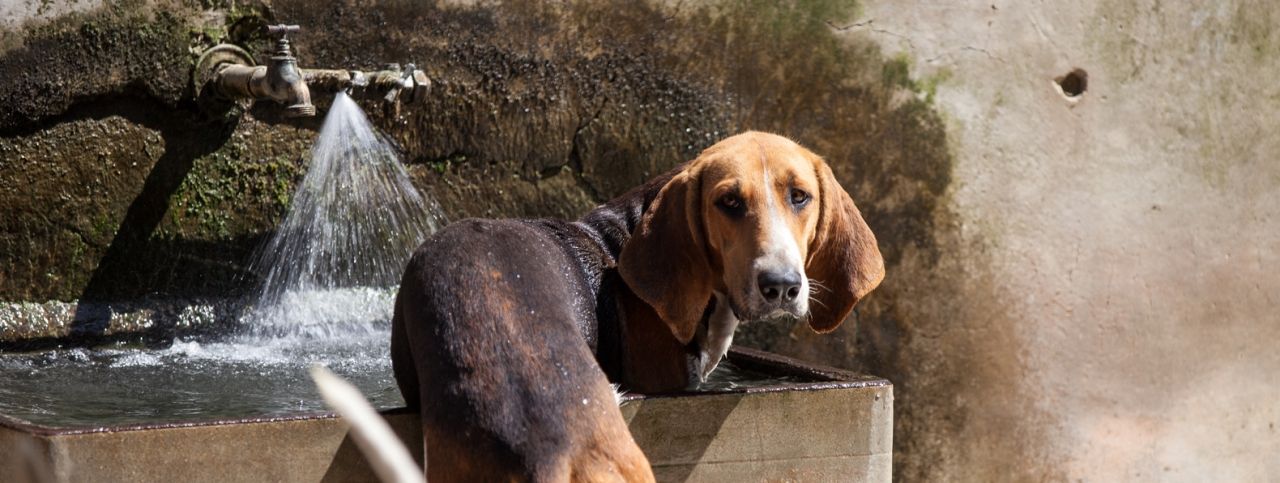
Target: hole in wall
1073,84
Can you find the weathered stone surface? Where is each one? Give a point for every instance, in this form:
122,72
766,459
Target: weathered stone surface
34,325
536,110
1115,319
835,430
794,436
1065,278
567,107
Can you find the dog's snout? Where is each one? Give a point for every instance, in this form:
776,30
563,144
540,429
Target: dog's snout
779,286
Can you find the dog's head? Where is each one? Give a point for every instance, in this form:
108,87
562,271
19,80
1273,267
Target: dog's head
762,221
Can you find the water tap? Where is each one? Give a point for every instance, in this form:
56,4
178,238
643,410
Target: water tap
228,72
279,80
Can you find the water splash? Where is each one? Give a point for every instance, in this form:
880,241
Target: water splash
328,286
352,225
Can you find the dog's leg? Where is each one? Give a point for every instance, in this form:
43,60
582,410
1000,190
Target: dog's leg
715,340
402,365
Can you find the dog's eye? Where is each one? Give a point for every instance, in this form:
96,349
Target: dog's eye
731,204
799,197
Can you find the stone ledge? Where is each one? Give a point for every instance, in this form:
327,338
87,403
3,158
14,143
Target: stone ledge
834,429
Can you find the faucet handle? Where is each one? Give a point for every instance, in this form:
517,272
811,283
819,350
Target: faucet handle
282,31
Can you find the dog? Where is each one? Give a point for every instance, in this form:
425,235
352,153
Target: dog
507,333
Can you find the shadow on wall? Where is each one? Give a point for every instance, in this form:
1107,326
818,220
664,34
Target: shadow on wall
184,142
350,464
676,459
116,185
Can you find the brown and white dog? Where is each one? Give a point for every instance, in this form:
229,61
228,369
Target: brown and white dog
507,332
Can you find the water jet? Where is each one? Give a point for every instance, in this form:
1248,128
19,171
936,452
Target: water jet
231,406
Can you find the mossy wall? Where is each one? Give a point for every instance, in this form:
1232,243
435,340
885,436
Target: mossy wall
536,111
114,184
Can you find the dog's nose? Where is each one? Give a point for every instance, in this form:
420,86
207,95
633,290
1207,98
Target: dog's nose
779,286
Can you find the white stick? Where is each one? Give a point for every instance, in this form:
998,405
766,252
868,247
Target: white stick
390,459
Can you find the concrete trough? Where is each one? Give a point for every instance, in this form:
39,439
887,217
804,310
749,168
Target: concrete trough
834,425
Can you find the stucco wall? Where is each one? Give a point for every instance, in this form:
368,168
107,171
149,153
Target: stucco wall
1120,316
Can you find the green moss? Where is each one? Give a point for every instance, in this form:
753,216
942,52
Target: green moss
445,164
244,23
929,85
231,192
104,227
206,36
896,72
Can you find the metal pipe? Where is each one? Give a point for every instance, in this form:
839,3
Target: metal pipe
230,72
410,84
327,80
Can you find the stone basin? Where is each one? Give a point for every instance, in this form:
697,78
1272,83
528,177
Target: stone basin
816,424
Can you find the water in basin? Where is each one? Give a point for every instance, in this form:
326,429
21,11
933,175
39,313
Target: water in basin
236,377
325,288
325,297
230,377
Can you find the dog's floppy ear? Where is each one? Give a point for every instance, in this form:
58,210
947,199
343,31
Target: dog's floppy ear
843,258
665,261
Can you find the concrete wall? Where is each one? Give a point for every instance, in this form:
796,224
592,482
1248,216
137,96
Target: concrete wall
1119,315
1075,289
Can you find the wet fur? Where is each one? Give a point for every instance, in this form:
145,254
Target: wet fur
508,389
506,333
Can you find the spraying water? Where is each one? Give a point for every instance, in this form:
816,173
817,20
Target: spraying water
329,276
354,221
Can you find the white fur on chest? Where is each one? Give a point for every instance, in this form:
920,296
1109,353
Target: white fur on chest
716,337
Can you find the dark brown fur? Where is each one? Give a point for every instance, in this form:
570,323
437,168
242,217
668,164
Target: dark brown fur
507,332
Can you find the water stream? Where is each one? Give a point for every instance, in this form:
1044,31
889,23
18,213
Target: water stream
352,225
329,277
328,280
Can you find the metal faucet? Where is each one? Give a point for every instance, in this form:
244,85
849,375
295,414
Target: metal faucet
280,80
228,72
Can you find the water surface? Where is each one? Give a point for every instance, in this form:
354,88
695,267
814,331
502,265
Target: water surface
231,377
236,378
328,278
